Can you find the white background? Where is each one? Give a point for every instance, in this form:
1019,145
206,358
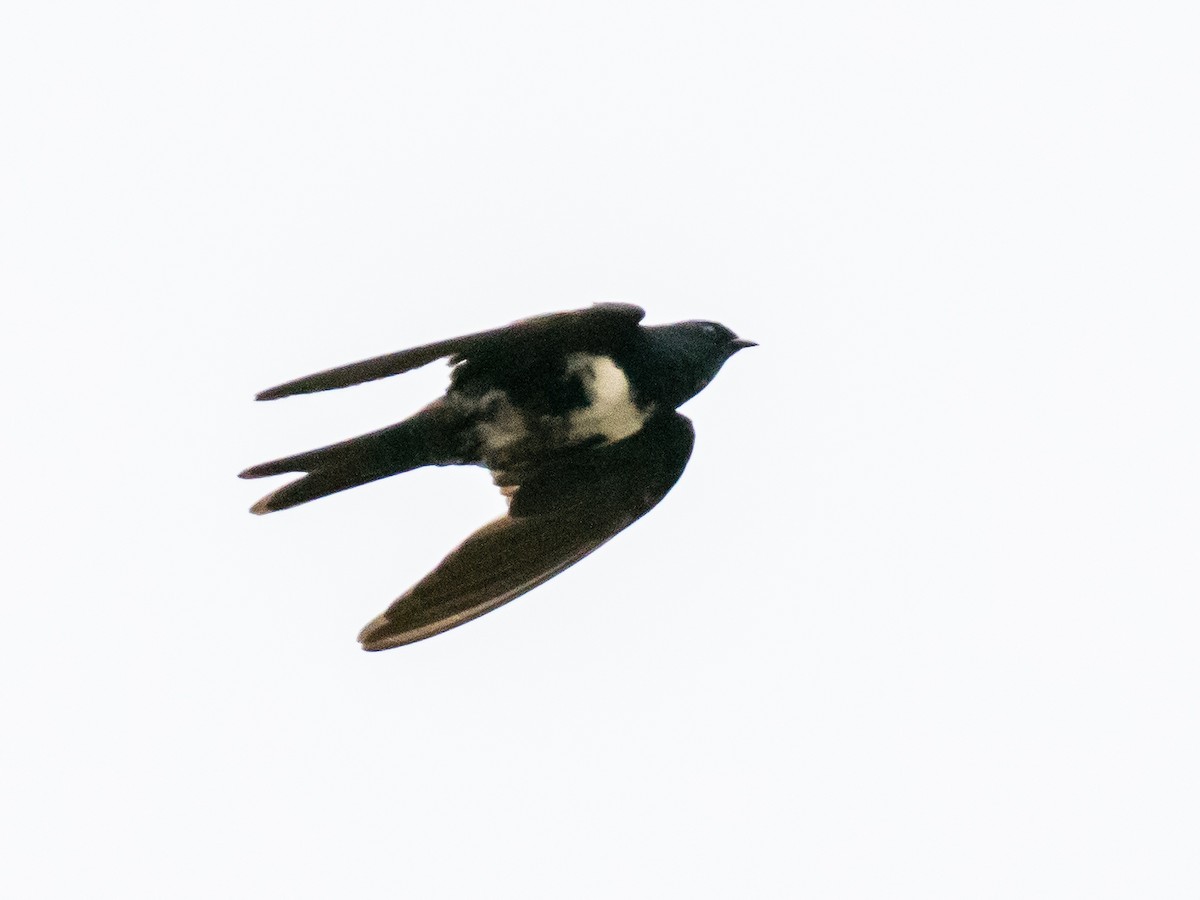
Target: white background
918,622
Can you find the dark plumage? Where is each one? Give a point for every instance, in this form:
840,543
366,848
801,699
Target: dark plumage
573,414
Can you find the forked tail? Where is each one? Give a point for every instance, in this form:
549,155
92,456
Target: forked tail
431,437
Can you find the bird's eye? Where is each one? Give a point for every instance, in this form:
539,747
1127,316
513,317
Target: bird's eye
708,328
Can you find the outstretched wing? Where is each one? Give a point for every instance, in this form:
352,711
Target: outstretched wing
600,321
557,515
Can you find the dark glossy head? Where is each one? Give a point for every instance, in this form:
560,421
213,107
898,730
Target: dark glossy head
689,355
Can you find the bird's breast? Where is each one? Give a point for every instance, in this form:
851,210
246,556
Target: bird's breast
612,412
604,410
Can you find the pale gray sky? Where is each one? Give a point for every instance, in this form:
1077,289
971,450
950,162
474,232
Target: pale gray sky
919,621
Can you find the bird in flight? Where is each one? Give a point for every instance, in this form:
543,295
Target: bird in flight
572,413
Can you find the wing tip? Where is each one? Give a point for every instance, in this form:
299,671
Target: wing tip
378,635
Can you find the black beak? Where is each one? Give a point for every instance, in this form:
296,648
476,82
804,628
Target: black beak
742,343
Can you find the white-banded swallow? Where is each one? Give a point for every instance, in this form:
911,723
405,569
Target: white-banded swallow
573,414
